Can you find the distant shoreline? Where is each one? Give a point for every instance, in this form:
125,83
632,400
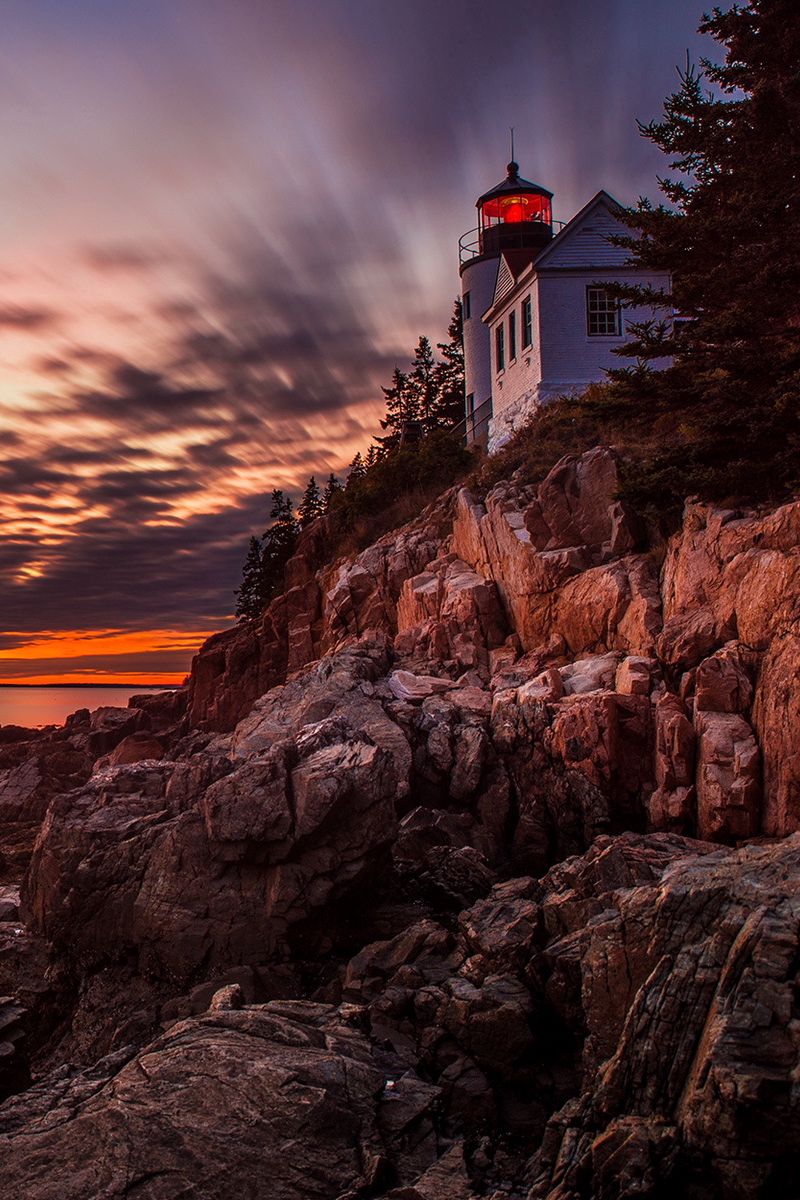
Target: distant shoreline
166,687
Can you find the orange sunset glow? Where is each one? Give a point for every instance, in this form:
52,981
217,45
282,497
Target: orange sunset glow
75,651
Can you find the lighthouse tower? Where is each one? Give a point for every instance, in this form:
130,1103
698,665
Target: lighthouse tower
515,217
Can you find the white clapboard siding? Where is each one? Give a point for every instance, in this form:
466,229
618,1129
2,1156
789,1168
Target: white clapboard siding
584,243
505,281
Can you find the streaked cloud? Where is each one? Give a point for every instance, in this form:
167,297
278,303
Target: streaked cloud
222,228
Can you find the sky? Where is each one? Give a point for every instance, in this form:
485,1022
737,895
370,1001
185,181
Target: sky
222,225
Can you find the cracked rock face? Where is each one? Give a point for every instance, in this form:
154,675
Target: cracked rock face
456,874
217,1106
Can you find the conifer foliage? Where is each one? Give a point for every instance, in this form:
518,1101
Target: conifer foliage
730,237
431,394
262,575
333,488
311,506
420,453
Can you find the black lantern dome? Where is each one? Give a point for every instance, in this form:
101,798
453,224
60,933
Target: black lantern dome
515,215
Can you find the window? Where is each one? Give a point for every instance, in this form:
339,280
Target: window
471,407
512,336
466,306
500,346
527,323
681,326
603,317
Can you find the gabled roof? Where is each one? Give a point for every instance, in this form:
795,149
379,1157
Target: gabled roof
603,199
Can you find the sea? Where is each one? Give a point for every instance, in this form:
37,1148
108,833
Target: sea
34,707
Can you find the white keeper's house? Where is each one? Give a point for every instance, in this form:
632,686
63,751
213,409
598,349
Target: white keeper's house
538,320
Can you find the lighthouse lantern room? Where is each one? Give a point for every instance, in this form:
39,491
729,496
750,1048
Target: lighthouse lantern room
515,215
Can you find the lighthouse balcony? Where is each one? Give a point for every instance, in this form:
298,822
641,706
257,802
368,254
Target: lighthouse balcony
491,240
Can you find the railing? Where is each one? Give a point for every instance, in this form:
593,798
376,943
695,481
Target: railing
470,244
475,427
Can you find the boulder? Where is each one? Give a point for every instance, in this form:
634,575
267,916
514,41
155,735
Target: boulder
728,777
722,682
275,1101
215,878
404,685
673,805
450,612
136,747
688,986
776,719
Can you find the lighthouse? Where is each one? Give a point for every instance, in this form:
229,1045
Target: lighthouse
515,220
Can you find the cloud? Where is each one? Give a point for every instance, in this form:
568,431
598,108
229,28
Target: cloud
110,257
26,319
245,220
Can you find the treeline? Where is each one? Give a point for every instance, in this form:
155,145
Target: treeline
416,453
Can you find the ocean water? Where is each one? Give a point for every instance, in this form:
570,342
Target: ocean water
36,706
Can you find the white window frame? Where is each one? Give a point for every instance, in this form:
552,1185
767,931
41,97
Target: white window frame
606,311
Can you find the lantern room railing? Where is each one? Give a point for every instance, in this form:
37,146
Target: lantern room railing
515,237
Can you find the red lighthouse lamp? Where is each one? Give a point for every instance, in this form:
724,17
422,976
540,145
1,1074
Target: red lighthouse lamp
516,214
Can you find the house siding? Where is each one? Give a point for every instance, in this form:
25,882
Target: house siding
588,244
570,356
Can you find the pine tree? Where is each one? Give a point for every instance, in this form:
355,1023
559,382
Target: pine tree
401,407
730,237
311,505
449,373
373,457
356,471
332,488
249,596
423,384
278,543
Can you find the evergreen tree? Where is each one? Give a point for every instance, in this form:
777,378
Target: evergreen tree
332,488
449,373
311,505
373,457
249,596
277,544
730,237
356,471
401,407
422,383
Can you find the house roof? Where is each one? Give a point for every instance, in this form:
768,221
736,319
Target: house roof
518,260
603,198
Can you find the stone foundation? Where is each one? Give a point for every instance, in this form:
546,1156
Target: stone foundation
513,416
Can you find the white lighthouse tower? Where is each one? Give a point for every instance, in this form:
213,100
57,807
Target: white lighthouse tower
515,219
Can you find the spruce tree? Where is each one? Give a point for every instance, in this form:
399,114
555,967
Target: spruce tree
730,237
278,543
356,471
449,373
423,385
332,488
311,505
401,407
249,595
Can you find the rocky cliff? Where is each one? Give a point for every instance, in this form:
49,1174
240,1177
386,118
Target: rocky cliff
471,869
